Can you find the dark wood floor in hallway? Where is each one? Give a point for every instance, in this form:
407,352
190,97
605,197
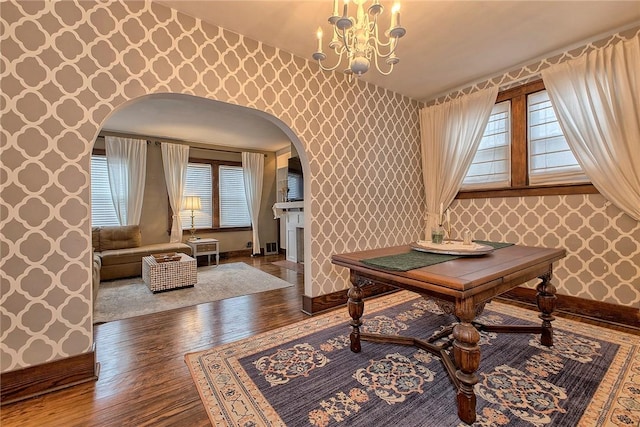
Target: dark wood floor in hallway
144,380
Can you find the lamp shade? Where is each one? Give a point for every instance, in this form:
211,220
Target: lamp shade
191,203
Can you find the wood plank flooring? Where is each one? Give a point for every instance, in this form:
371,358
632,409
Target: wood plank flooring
144,380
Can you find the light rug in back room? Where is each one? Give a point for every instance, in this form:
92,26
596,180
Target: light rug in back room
121,299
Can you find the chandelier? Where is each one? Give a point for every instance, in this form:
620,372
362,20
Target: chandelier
358,39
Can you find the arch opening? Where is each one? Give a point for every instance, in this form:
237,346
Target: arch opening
206,124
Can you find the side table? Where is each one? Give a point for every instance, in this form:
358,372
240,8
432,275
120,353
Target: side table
205,247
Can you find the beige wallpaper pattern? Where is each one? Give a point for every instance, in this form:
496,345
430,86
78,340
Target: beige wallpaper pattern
65,66
602,242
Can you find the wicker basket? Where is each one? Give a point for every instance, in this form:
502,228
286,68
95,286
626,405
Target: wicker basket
163,276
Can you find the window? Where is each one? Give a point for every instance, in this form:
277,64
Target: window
550,158
295,185
198,183
220,186
491,165
528,147
233,201
102,211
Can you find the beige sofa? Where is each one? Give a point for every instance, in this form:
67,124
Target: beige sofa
118,251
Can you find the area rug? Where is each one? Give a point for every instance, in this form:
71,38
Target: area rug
305,374
121,299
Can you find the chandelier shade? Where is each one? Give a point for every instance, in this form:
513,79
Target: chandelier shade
358,39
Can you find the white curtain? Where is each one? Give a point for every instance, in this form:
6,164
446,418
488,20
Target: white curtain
175,158
597,100
126,166
450,134
252,172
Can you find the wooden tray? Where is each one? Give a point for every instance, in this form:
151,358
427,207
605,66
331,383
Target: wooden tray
168,257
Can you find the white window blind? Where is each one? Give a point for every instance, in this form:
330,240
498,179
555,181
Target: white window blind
102,211
233,202
198,183
550,158
295,185
491,166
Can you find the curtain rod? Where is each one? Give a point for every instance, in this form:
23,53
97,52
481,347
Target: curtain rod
198,147
158,141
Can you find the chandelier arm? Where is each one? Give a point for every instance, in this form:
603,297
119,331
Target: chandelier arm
345,42
374,35
335,66
337,33
377,44
374,26
384,73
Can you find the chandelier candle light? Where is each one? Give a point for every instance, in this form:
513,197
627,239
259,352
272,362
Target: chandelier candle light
192,203
358,38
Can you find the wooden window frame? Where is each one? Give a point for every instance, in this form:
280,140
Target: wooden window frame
519,154
215,182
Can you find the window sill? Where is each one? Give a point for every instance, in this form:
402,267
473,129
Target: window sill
216,230
555,190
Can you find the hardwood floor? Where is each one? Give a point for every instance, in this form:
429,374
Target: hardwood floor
144,380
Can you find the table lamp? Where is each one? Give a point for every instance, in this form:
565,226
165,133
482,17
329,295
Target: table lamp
192,203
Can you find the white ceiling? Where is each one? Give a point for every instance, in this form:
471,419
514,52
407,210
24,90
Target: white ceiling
193,119
448,44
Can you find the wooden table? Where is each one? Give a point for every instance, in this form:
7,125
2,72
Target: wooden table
461,287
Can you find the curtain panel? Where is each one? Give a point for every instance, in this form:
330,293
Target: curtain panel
450,134
253,173
175,158
126,167
596,98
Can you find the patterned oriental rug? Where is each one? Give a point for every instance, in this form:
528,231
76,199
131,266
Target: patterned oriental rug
305,374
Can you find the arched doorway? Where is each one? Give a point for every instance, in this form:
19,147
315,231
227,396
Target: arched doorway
205,125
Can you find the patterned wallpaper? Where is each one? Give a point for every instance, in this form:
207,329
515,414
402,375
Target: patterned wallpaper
602,242
66,65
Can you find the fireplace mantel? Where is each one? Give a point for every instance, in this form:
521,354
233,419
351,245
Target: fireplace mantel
293,216
281,208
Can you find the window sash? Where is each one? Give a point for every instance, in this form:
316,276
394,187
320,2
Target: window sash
295,186
102,211
234,211
491,165
551,160
198,183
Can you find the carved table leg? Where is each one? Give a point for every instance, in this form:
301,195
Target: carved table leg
467,357
546,299
356,309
